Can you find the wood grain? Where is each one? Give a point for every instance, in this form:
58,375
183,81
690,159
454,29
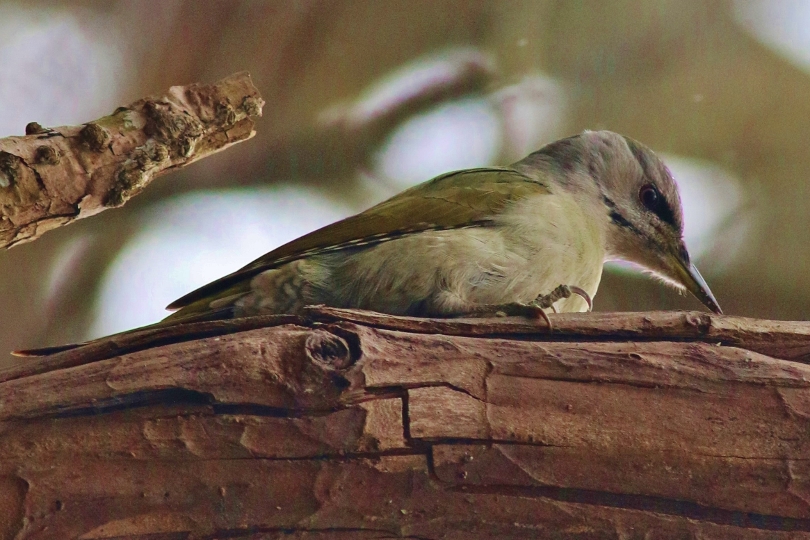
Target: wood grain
376,427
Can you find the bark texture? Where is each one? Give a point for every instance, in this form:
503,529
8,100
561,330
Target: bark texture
348,424
50,177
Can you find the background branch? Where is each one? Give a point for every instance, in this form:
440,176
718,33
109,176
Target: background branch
51,177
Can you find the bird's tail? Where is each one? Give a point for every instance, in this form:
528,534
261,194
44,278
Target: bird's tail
172,320
45,351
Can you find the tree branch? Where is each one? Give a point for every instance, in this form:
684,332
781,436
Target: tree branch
348,424
50,177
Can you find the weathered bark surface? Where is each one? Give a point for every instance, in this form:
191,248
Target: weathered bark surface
50,177
347,424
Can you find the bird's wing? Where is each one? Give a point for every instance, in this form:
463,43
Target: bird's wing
457,199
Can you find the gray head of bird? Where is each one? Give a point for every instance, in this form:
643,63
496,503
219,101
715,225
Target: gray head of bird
627,181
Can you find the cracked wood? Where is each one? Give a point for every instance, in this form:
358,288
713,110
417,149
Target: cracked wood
359,428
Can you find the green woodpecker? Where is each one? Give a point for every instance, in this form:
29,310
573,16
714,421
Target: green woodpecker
479,241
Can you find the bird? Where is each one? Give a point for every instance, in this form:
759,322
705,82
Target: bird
515,240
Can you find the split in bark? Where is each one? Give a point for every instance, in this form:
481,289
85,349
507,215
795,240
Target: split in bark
348,424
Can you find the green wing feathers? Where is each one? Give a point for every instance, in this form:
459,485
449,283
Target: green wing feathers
458,199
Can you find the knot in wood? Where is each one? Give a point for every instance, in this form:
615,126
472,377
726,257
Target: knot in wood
328,349
252,105
34,128
173,127
95,137
9,164
47,155
701,321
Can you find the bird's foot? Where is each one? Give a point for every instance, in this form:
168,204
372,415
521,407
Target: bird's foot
563,291
513,309
535,309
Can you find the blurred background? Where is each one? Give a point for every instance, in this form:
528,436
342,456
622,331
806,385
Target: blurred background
365,98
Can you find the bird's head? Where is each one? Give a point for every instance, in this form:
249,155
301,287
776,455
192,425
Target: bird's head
640,198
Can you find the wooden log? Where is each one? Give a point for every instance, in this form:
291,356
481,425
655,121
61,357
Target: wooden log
346,424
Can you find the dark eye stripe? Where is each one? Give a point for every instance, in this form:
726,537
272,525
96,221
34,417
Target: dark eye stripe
663,211
617,218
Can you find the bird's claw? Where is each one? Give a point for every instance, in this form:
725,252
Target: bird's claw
535,309
560,293
585,296
530,311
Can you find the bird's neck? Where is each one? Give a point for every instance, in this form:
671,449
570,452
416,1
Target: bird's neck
575,181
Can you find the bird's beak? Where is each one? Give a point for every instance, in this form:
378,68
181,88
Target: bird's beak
691,279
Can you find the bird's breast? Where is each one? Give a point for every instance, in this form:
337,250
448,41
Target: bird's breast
562,241
527,251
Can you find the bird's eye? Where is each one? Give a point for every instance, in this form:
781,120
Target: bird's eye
649,197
